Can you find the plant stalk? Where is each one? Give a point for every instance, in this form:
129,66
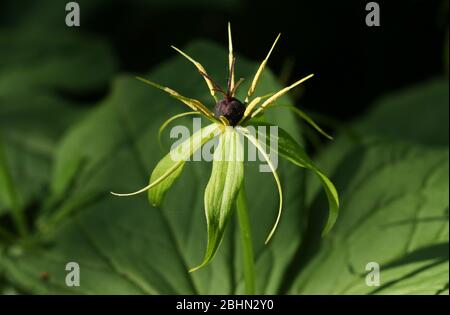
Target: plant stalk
246,241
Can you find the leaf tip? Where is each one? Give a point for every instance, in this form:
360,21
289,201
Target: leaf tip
196,268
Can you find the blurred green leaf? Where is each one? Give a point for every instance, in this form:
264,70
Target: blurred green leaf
29,132
37,71
418,114
394,211
123,245
58,60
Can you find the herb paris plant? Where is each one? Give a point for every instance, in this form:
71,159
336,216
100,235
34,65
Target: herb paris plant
230,120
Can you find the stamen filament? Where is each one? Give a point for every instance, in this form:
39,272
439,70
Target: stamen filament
201,69
236,86
192,103
230,58
280,93
260,70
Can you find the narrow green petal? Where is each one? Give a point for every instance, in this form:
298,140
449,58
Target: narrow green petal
157,181
156,193
305,117
333,201
279,94
255,142
184,151
168,167
169,121
220,194
293,152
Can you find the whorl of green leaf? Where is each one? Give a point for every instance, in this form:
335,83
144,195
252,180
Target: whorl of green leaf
184,151
225,181
293,152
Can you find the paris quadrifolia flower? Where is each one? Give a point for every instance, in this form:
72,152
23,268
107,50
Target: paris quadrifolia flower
232,121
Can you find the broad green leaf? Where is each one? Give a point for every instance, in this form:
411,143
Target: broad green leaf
220,193
293,152
417,114
184,151
124,245
37,69
30,134
394,211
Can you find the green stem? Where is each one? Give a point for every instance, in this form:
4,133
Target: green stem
246,241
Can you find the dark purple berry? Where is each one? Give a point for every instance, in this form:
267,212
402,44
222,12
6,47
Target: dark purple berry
232,109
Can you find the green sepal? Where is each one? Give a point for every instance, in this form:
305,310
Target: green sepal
183,152
226,179
294,152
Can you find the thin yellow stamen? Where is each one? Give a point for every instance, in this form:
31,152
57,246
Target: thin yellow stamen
192,103
280,93
230,57
250,107
236,86
224,120
252,88
201,69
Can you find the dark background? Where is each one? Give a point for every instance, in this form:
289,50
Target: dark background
354,64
